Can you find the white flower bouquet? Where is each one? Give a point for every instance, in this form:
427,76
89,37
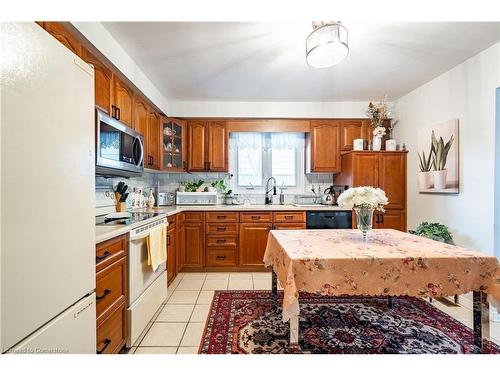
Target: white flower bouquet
379,131
363,197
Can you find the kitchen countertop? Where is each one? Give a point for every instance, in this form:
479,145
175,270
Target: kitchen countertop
106,232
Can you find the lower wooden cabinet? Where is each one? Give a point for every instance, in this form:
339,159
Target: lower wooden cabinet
112,332
390,219
111,292
171,253
194,244
253,241
220,257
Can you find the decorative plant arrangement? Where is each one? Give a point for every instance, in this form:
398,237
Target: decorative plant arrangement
439,155
364,200
438,167
378,113
434,231
192,187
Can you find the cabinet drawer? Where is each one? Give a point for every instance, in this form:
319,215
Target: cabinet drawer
221,257
222,241
110,287
290,217
291,226
109,251
215,228
171,221
112,333
193,216
256,217
222,217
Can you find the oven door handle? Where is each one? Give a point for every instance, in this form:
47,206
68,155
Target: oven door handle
139,237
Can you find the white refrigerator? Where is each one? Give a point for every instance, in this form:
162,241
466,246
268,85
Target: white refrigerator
47,195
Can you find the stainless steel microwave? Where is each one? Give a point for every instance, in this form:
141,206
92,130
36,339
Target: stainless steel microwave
119,149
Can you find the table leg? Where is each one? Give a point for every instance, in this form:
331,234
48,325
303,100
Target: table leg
294,331
390,302
274,291
481,323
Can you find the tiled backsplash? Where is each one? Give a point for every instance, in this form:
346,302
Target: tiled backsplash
170,182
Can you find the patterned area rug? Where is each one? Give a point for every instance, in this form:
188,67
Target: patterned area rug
243,322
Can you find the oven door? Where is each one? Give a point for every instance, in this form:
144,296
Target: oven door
141,275
119,149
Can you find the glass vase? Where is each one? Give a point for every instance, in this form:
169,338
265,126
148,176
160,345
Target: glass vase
364,218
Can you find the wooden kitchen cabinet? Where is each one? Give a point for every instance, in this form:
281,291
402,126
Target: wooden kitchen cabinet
141,118
111,293
323,147
193,237
122,103
351,130
390,219
103,78
252,244
218,148
207,146
61,33
171,253
152,159
173,144
383,169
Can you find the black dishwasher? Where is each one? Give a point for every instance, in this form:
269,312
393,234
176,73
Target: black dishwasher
329,220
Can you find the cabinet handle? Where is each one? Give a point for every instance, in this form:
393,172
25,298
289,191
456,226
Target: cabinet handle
152,160
208,164
106,344
221,229
103,256
221,216
168,240
104,295
118,112
221,241
255,217
378,218
221,257
288,217
381,218
113,111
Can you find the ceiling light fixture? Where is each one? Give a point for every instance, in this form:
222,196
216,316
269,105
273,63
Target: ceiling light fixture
327,44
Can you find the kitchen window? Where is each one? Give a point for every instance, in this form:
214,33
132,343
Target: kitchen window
254,157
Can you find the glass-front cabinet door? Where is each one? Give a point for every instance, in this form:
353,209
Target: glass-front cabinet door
173,145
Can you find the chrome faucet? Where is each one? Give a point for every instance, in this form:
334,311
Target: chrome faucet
269,199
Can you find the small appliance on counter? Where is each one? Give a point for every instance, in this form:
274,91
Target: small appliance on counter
196,198
329,198
165,199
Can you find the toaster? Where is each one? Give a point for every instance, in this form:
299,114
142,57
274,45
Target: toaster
166,199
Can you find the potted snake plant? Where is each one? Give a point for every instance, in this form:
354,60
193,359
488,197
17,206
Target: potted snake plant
440,154
425,174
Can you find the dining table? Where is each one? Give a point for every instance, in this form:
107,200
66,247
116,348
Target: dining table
390,263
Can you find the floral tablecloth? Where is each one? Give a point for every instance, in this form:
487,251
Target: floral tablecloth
392,263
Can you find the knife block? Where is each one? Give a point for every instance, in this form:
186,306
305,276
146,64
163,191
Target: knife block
121,207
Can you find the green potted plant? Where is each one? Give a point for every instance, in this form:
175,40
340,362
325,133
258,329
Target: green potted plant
440,154
425,176
434,231
222,188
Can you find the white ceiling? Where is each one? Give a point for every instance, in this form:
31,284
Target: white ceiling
215,61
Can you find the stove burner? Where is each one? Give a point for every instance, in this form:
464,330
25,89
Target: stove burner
134,218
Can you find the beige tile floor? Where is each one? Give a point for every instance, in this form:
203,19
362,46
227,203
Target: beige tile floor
178,325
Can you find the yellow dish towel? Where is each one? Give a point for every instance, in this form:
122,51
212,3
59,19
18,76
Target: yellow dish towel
157,246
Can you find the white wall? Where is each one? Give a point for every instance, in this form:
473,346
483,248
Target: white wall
466,92
97,34
268,109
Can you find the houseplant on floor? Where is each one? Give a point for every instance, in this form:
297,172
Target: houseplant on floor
364,200
434,231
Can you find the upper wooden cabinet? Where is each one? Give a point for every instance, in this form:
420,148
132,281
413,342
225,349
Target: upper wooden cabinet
61,33
103,79
323,151
207,146
153,141
173,144
122,103
218,147
141,113
351,130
